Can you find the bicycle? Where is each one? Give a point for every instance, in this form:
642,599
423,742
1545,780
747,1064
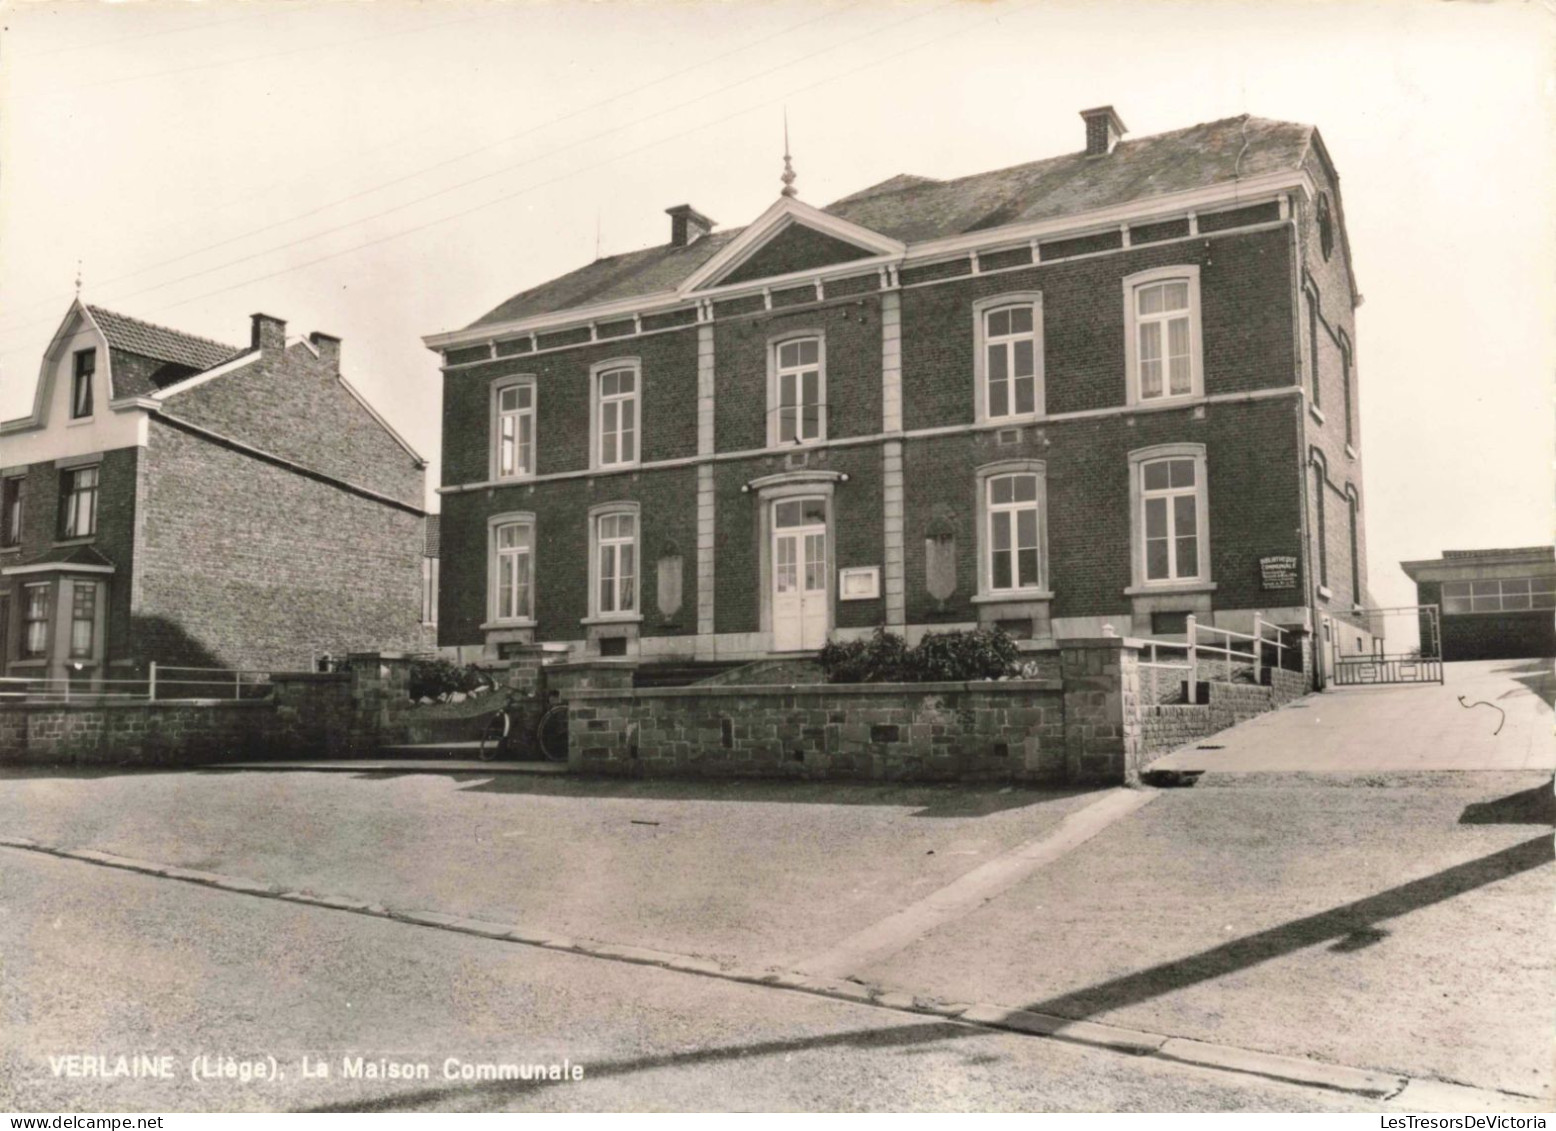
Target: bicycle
550,734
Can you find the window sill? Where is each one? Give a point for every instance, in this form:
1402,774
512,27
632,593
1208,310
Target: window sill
622,618
1350,452
487,626
606,468
1013,597
85,540
1357,609
1325,592
780,446
75,421
1155,588
508,480
10,549
1316,412
1175,399
1011,421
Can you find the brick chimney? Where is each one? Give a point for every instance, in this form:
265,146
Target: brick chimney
687,225
269,332
328,346
1104,128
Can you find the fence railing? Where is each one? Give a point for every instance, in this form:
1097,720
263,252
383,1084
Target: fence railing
161,682
1226,653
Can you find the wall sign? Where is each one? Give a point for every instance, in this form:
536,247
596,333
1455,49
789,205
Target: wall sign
860,583
1278,571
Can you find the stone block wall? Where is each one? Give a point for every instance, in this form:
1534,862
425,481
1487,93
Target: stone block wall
1012,730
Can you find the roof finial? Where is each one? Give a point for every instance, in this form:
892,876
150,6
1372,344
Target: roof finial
788,165
78,278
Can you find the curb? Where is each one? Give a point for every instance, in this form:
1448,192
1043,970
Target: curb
1398,1089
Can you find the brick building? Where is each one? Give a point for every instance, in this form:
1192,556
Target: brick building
1110,388
175,499
1494,604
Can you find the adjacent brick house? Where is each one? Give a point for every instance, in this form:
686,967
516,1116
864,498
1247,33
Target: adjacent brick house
1493,604
175,499
1110,388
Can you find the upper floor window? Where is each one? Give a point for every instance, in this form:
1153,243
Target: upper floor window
615,558
1171,529
1013,505
1314,318
11,511
798,391
1325,226
514,422
78,502
1009,361
1163,344
1353,508
513,567
616,414
1345,362
81,384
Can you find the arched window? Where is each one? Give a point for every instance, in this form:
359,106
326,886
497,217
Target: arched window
1161,314
1009,362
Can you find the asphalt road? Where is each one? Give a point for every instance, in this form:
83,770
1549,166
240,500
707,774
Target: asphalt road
96,962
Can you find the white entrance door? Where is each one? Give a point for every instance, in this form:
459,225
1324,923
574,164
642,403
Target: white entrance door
799,574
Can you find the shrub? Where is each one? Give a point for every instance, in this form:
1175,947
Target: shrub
881,659
432,679
949,656
983,653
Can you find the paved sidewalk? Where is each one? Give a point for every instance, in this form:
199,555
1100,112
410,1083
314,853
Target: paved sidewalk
1397,729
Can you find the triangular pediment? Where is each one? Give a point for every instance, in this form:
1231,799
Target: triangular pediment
791,239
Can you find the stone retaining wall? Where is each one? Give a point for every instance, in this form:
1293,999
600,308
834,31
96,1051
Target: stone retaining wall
893,732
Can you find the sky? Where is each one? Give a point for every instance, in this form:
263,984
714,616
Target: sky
388,170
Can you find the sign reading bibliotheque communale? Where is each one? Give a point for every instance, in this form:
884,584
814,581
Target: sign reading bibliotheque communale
1278,571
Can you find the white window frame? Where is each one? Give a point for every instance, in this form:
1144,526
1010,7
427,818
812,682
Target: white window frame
1137,498
597,404
494,571
525,381
986,510
775,373
981,310
1188,273
597,515
1523,587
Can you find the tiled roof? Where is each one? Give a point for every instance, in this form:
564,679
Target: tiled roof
914,209
148,340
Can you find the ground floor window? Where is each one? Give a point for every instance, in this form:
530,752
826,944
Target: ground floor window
616,569
83,620
35,621
513,545
1499,595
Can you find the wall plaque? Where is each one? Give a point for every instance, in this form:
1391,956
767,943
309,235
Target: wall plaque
1278,571
860,583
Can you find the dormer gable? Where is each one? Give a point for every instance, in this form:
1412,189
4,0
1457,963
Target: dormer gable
792,239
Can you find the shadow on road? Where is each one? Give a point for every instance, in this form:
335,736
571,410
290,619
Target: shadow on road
1535,806
1351,927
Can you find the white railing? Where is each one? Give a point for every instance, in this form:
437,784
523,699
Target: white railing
1226,650
161,682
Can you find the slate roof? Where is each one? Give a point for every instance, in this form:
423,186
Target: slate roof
158,342
67,556
912,209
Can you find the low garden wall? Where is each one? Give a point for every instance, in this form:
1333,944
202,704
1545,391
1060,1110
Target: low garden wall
888,732
1166,726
